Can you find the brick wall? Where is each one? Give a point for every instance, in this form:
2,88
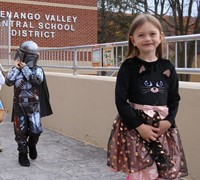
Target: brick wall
52,23
75,2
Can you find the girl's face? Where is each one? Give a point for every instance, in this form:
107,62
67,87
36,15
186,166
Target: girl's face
146,38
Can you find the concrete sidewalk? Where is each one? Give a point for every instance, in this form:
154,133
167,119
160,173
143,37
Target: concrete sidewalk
59,158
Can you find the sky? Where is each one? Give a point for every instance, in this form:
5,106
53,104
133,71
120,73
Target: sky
196,3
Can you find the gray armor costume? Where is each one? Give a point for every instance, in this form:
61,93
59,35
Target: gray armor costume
26,102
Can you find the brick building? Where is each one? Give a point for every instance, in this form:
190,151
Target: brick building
51,23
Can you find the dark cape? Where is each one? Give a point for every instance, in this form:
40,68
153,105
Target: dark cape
45,106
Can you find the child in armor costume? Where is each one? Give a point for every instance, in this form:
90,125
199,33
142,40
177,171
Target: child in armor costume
29,105
144,142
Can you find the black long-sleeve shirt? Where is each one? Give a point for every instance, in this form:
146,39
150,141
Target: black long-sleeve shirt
147,83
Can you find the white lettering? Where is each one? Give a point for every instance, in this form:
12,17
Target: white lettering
30,16
23,15
25,25
16,15
40,25
4,24
30,25
14,32
53,26
24,33
47,26
37,17
37,34
60,27
74,18
58,18
9,14
46,34
67,27
47,17
22,24
18,24
72,28
30,33
63,19
52,34
2,13
52,18
69,19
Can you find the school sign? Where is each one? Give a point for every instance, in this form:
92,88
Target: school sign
51,23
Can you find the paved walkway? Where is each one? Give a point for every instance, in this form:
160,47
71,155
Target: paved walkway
59,158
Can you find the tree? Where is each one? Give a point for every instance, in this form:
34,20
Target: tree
115,17
181,17
178,17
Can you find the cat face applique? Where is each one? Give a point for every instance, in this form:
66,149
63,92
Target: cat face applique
153,82
153,86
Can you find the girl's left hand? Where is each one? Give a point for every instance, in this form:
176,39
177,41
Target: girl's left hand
164,125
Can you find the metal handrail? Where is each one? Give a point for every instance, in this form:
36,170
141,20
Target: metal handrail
79,57
123,44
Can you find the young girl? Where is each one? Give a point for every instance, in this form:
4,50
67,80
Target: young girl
144,141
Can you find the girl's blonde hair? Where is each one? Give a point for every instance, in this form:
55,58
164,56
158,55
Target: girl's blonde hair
137,22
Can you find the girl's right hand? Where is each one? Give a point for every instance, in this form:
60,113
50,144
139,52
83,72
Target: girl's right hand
147,132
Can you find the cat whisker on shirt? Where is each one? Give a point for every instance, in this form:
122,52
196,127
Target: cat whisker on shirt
146,91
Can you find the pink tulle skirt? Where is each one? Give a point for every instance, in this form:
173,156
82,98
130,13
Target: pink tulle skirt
128,153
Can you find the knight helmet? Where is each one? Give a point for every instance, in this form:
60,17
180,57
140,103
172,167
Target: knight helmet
28,53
